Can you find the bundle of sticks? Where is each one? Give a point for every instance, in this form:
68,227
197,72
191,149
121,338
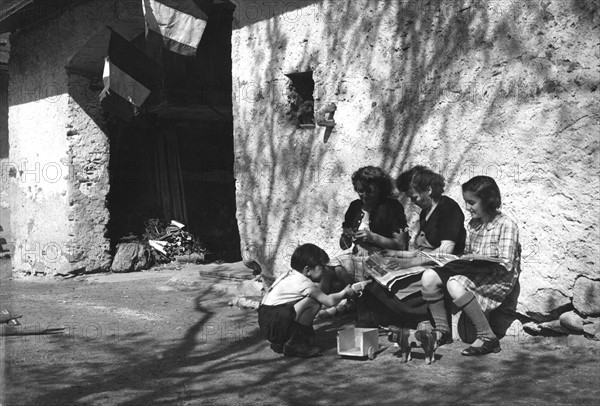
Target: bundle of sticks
172,241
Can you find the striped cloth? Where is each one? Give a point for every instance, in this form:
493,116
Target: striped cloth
498,239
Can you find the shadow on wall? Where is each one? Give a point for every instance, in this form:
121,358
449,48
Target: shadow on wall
429,64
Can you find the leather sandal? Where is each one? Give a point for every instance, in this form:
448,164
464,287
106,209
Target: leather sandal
442,337
489,345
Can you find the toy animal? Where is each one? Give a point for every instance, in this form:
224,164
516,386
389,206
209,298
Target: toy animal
408,338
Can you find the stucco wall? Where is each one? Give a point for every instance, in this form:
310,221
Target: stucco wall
499,88
58,153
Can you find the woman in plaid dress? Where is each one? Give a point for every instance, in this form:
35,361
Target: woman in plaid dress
481,284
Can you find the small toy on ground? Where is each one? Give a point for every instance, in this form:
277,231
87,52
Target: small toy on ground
358,342
407,338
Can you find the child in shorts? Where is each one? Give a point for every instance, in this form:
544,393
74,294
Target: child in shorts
288,309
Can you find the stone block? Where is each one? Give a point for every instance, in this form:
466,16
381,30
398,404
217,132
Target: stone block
586,296
553,327
592,329
571,321
532,328
545,305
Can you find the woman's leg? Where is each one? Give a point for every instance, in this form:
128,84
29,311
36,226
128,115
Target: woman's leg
467,302
433,293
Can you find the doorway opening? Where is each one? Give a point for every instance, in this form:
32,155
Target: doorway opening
176,162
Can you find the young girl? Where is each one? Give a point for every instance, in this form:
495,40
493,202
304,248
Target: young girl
480,284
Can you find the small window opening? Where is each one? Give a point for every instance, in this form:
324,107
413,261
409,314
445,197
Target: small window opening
301,109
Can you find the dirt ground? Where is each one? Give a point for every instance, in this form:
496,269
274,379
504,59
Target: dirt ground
169,337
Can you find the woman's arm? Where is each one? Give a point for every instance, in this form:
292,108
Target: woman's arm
398,253
477,257
394,243
508,242
446,247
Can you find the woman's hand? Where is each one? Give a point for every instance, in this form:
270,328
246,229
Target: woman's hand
390,253
348,232
398,253
364,235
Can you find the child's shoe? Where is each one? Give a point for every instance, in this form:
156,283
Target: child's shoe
297,345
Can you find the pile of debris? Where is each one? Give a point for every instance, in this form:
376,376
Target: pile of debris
173,243
160,245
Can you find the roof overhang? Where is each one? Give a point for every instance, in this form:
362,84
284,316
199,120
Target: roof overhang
15,14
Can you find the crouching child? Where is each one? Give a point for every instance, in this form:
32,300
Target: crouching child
288,309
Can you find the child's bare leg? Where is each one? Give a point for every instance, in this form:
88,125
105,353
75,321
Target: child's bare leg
302,331
306,310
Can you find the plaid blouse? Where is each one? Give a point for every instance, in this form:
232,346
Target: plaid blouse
497,239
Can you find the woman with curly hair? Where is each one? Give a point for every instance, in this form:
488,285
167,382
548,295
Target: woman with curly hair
373,222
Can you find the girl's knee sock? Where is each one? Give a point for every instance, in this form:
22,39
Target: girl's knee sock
435,301
469,304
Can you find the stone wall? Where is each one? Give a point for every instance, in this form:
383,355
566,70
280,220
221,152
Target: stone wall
502,88
58,169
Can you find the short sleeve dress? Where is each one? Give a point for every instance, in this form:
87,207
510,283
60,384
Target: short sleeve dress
445,223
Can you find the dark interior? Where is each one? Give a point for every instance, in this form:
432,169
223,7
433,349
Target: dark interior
175,161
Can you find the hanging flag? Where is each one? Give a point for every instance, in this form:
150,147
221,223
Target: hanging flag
177,25
129,77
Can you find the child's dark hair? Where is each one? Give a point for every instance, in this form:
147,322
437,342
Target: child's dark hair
404,179
372,175
487,190
425,178
308,255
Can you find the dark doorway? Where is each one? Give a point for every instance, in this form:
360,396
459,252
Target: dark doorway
176,162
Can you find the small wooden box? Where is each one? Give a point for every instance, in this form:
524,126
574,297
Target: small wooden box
358,342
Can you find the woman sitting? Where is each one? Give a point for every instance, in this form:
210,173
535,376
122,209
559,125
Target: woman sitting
480,284
441,230
441,221
374,222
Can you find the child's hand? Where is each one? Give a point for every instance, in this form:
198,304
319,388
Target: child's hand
349,292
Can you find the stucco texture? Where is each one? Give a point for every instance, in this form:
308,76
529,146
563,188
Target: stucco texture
500,88
58,153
